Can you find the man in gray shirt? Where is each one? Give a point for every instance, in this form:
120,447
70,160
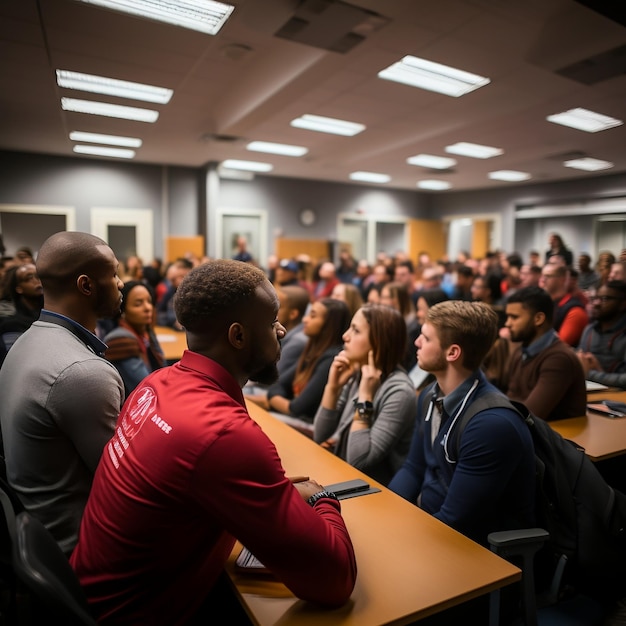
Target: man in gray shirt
60,397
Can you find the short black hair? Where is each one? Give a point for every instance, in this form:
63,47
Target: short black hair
534,299
215,289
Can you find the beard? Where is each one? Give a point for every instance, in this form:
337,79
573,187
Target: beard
437,364
266,375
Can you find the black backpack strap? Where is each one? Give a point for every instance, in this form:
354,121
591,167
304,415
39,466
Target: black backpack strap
489,400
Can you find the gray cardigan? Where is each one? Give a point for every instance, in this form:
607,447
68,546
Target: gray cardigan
378,451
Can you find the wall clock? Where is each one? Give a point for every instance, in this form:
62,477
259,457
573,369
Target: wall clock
307,217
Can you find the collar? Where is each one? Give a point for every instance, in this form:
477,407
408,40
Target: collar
453,400
539,345
213,370
86,336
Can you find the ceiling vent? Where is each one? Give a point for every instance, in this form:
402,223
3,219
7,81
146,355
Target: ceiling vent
597,68
331,25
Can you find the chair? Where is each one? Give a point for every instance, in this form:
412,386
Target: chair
46,589
546,608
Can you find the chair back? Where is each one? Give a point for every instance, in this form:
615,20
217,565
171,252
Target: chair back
43,571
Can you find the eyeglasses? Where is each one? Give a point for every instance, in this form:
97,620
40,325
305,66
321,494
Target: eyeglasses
604,299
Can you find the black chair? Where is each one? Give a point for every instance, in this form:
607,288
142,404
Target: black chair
546,608
46,589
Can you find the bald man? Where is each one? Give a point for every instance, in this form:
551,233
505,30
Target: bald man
60,397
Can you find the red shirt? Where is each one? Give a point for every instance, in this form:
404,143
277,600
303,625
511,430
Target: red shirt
186,473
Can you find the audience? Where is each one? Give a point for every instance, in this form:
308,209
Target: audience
367,412
188,473
298,391
463,283
602,347
54,434
588,278
544,374
325,281
132,345
396,295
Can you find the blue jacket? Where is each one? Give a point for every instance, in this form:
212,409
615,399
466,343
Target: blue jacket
492,484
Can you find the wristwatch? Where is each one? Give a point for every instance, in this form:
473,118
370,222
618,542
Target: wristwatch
319,495
364,409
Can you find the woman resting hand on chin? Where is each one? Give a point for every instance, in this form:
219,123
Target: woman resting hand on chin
368,408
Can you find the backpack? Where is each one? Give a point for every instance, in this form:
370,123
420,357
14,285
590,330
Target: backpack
584,515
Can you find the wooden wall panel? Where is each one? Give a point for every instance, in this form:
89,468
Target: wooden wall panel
177,247
427,236
317,249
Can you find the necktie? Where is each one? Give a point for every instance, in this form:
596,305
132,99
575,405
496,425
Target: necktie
435,418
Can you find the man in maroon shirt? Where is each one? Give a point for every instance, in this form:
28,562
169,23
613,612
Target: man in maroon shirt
188,472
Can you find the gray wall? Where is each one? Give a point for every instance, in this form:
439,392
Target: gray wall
178,198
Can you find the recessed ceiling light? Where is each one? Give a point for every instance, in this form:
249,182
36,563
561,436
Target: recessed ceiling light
588,164
202,15
473,150
109,110
113,87
370,177
277,148
119,153
432,161
432,76
437,185
110,140
328,125
509,175
582,119
249,166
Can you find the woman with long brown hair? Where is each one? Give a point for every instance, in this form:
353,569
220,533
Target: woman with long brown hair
298,391
369,404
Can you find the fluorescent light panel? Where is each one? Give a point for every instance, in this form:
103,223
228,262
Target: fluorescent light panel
109,110
436,185
432,161
119,153
113,87
583,119
249,166
588,164
110,140
509,175
277,148
201,15
432,76
328,125
370,177
473,150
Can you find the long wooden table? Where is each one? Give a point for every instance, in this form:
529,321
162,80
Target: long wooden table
410,565
601,437
173,342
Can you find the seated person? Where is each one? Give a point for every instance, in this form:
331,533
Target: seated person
132,345
298,392
188,473
396,295
368,408
294,301
544,372
26,294
165,304
349,294
570,316
490,485
602,348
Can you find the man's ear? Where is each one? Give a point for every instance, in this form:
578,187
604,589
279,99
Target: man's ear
83,282
453,353
540,318
236,335
293,314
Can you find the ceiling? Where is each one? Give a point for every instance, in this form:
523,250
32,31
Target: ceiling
246,83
